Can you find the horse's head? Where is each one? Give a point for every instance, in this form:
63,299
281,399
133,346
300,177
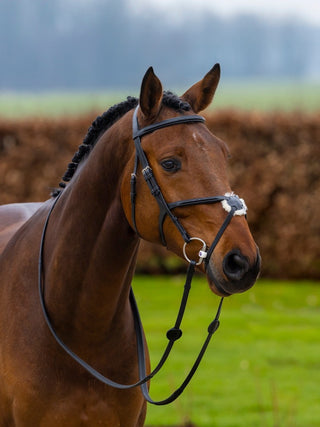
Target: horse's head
181,160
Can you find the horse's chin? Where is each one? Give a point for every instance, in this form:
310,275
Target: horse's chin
217,284
223,287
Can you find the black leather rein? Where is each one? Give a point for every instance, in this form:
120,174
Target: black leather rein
235,206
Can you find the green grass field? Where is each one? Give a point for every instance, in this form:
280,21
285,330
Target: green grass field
261,96
262,367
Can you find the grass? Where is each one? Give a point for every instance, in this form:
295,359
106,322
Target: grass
262,367
254,95
56,104
265,96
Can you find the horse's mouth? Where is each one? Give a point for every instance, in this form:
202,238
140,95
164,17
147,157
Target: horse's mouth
221,286
216,283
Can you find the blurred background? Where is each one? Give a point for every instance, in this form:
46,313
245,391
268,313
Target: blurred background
71,60
63,62
101,44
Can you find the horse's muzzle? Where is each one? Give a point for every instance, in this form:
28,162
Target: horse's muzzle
238,275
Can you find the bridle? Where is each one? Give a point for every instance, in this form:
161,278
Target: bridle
230,202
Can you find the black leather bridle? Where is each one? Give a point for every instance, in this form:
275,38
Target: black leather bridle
230,202
235,204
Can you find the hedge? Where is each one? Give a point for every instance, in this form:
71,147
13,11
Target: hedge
274,166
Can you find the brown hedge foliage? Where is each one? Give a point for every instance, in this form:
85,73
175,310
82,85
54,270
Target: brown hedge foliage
275,166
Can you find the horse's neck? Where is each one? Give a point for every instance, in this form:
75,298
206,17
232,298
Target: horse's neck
90,250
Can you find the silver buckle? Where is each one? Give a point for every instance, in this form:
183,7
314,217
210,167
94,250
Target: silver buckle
202,253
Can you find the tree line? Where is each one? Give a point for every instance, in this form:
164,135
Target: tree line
68,44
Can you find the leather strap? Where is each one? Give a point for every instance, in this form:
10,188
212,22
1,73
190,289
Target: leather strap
138,133
173,334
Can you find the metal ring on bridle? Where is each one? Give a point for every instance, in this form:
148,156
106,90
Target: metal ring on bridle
202,253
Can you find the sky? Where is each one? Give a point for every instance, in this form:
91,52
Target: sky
308,10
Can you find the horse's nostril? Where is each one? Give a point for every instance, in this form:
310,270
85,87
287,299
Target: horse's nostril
235,265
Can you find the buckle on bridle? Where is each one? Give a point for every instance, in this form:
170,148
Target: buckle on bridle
202,253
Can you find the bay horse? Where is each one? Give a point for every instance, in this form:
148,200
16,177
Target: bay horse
88,247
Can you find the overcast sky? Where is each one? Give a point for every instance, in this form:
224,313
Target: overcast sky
308,10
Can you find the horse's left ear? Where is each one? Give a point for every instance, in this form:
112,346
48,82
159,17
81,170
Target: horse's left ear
200,95
150,94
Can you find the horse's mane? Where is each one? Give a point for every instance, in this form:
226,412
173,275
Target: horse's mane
104,122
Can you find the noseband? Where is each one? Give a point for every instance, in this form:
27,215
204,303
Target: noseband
230,202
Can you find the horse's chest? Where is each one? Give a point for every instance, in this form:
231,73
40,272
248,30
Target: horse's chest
82,411
74,407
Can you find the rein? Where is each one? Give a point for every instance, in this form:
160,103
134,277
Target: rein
230,202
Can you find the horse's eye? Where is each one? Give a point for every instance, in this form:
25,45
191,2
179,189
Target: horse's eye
171,165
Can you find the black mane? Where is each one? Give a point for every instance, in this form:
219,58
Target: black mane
104,122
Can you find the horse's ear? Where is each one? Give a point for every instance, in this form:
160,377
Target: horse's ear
200,95
150,95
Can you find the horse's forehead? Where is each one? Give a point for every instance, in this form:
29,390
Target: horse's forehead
199,139
193,139
185,134
192,143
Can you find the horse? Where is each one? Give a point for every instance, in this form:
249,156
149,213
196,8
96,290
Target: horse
164,187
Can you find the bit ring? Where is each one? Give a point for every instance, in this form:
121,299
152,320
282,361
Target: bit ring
202,253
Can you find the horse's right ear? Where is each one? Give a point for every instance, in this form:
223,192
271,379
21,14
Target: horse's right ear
150,95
